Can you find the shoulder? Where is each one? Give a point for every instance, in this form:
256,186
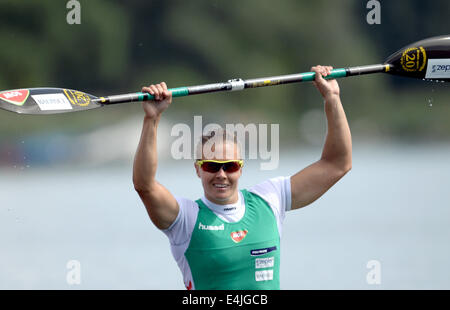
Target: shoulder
186,204
272,187
181,229
276,191
188,210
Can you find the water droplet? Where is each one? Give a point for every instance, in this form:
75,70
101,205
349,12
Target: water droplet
430,102
28,166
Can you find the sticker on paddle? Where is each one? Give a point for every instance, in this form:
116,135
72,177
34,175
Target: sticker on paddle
46,101
438,69
16,97
52,102
77,98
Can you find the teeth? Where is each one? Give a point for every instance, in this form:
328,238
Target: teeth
220,185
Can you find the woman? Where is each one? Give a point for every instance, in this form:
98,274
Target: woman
230,238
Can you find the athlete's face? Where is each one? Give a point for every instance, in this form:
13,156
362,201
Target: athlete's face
221,187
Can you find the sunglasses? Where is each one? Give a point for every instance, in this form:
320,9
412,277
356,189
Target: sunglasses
214,166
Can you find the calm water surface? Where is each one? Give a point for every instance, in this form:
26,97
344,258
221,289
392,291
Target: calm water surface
393,207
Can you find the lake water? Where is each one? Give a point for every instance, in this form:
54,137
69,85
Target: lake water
392,207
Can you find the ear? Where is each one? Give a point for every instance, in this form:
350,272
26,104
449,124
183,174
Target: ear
197,169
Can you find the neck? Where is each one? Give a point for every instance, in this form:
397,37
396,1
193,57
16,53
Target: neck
226,201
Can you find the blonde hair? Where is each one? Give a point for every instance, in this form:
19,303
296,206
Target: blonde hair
216,137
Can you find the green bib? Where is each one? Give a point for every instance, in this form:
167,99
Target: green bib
244,255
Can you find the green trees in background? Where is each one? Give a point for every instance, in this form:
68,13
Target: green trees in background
121,45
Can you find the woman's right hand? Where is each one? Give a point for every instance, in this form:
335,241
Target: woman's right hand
163,98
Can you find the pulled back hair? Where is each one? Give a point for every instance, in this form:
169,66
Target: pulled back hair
215,137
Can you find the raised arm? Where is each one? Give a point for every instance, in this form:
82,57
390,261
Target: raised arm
160,204
313,181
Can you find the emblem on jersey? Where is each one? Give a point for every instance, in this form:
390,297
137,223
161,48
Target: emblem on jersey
264,275
266,262
258,252
210,227
237,236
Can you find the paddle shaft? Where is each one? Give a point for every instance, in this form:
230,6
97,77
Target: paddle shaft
239,84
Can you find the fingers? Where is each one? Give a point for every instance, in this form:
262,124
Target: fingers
159,91
163,85
321,71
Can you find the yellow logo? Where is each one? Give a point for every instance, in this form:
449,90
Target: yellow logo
77,97
414,59
266,83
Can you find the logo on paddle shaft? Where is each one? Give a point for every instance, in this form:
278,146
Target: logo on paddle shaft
17,97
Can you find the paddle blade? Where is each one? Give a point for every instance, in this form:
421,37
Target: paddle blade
427,59
46,101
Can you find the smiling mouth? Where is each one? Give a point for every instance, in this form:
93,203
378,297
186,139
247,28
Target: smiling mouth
221,185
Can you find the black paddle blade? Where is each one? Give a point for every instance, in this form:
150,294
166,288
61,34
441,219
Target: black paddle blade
46,101
427,59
